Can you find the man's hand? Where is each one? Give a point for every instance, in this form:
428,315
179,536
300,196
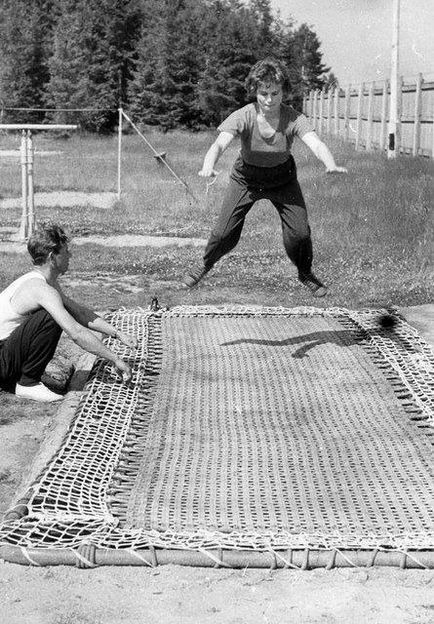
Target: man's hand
124,369
127,340
337,169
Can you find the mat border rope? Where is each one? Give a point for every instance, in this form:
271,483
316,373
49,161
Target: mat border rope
89,537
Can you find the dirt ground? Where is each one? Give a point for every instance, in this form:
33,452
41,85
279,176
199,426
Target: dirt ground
175,594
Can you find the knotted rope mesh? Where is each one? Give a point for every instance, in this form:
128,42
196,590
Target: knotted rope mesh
246,428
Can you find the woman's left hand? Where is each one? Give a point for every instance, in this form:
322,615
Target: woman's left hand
337,170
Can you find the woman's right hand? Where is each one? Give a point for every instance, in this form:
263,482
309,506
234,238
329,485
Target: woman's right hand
208,172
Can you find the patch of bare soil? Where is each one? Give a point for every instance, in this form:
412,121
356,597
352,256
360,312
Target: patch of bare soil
65,199
134,240
174,594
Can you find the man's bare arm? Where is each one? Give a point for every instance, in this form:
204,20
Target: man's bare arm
50,299
89,319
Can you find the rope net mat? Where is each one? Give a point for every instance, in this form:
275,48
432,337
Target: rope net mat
253,430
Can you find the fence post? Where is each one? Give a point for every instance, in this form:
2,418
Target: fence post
311,105
399,114
321,111
432,133
347,113
370,118
329,110
336,100
314,102
417,112
383,126
359,115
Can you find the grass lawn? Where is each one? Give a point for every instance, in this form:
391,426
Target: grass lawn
372,229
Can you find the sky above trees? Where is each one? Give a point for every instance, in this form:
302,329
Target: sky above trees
356,35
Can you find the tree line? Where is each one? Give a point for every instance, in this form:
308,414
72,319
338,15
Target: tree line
170,63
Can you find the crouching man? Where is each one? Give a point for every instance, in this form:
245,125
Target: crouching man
33,313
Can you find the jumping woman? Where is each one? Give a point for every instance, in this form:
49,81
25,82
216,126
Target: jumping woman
264,169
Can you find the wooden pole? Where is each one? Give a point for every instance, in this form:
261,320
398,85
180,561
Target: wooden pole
394,72
432,133
314,102
383,125
359,115
336,101
23,224
370,118
417,113
321,111
31,197
120,119
347,113
329,110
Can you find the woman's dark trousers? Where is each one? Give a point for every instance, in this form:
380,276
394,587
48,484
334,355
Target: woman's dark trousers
249,184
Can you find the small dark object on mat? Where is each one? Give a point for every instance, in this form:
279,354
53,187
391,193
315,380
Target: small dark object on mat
154,306
387,321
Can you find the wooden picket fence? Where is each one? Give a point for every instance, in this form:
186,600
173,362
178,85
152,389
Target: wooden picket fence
359,113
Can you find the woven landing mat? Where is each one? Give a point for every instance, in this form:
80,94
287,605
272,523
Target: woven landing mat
247,428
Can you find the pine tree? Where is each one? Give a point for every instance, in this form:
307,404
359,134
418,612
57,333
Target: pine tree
300,50
93,44
266,40
231,46
25,27
164,89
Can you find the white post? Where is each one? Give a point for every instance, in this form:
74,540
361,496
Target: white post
31,198
28,211
394,72
23,224
119,151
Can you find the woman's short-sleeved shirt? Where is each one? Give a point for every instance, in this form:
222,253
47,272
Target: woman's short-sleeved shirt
255,149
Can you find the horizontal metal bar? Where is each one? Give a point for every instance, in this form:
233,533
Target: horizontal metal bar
38,127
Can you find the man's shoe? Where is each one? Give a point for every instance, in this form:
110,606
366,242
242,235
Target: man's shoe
311,282
37,393
194,276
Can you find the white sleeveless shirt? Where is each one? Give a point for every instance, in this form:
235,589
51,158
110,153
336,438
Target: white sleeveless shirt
9,319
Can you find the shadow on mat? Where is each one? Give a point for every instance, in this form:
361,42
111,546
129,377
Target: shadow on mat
342,338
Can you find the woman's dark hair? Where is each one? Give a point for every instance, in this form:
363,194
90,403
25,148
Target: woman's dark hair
267,70
47,238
